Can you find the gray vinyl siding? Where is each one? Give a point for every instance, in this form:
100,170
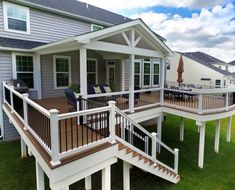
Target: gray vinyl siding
47,27
10,132
126,73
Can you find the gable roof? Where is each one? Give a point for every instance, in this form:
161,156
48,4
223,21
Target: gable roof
77,8
206,60
18,44
232,62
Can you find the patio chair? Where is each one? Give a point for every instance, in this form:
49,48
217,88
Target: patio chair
71,99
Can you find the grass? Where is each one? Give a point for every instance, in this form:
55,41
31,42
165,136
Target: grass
218,172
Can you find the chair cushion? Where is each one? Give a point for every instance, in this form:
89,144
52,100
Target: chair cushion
97,90
107,89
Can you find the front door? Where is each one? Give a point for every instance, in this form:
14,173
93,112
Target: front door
110,74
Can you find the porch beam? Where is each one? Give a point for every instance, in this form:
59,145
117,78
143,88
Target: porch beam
83,72
126,38
229,126
39,177
201,145
217,136
117,48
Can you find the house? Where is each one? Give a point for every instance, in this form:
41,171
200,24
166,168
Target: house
118,64
231,67
210,70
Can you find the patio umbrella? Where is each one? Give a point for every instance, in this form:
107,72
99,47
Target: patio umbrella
180,70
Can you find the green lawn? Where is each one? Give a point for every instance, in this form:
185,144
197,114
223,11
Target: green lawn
218,172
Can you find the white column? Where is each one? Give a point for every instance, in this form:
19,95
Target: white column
229,126
83,72
159,132
39,177
88,182
154,145
112,121
201,145
126,176
23,148
162,82
38,76
131,83
217,136
106,178
181,129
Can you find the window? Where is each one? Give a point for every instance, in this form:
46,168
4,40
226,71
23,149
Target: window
24,69
91,71
62,71
155,73
146,73
217,82
16,18
137,73
95,27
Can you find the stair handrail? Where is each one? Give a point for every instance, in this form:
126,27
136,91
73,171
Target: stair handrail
175,152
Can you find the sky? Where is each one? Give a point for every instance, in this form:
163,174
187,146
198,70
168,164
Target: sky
188,25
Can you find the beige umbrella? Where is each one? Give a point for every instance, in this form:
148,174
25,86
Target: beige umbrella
180,70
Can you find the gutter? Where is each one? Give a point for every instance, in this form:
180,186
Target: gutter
64,13
15,49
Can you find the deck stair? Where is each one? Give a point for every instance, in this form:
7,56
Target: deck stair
129,136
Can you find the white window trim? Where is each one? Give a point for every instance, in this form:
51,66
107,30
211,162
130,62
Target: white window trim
5,18
54,71
96,66
149,62
140,83
35,70
96,25
107,71
155,62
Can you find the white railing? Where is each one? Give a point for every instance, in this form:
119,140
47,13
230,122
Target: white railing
134,130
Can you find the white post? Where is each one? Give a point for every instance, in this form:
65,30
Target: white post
54,137
83,72
106,178
226,101
3,91
201,145
88,182
23,148
176,160
38,75
182,129
146,148
112,123
159,132
25,107
126,176
229,126
154,145
131,83
11,97
217,136
39,177
162,82
200,100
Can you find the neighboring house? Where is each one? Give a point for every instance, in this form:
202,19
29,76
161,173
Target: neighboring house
118,64
200,68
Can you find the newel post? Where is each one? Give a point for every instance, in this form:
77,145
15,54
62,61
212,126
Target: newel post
154,145
54,121
11,98
112,123
25,107
176,162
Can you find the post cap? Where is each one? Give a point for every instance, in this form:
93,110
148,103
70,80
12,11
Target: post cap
112,103
25,95
53,111
176,150
154,134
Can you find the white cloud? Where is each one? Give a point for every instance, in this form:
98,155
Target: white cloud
120,5
211,31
